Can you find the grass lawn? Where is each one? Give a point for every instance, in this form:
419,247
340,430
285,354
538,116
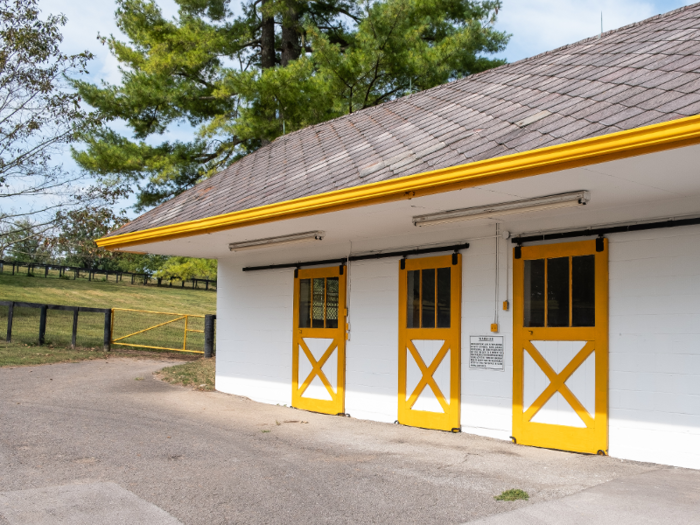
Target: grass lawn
101,294
198,373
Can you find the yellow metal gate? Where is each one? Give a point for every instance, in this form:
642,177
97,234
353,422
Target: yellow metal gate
318,366
560,346
429,342
157,330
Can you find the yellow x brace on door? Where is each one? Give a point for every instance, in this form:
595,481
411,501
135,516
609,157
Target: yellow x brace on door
317,369
558,383
427,379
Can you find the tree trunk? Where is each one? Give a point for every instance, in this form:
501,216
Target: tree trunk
291,32
267,38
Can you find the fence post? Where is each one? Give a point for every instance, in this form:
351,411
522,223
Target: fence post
10,315
108,330
46,271
209,335
74,335
42,324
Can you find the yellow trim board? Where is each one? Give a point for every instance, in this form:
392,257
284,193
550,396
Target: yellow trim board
640,141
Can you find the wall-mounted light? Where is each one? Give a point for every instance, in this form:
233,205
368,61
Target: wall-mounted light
492,211
276,241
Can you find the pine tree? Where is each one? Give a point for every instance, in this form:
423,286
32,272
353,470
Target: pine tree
242,81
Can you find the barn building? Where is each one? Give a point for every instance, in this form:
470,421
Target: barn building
515,254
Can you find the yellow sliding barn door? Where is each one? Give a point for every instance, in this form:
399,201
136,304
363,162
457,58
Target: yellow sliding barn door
429,342
318,367
560,346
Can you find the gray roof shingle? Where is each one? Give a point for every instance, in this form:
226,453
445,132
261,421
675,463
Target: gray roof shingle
637,75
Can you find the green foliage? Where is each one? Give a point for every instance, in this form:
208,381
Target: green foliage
512,495
280,66
21,242
185,268
75,240
78,230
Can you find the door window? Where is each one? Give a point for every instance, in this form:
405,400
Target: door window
318,302
429,299
559,292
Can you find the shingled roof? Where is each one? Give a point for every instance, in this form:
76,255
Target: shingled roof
641,74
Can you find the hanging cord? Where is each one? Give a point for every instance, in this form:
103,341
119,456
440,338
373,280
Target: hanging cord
496,291
347,295
507,299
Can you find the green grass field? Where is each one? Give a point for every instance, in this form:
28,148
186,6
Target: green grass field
100,294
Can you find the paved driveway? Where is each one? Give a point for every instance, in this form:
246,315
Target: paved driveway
89,443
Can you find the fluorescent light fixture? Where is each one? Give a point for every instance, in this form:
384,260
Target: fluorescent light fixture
276,241
493,211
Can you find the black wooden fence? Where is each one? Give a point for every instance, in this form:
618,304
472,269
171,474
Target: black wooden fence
29,322
74,272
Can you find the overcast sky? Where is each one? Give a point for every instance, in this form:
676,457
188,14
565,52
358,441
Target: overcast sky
536,26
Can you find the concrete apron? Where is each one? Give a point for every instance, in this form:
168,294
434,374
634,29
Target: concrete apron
80,504
661,496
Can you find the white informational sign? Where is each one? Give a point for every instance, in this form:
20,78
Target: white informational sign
486,352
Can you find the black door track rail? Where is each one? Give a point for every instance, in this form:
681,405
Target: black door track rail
343,260
602,231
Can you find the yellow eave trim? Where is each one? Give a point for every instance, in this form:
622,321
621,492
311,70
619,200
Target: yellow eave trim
640,141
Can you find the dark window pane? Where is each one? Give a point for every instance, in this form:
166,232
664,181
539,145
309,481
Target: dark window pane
413,299
317,306
332,302
583,291
534,293
304,303
428,299
558,292
443,297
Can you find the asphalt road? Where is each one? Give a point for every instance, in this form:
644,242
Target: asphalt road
89,443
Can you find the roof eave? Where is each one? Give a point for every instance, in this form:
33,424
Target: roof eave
639,141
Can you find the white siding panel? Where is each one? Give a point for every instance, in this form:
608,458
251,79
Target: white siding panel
254,333
486,394
372,355
655,346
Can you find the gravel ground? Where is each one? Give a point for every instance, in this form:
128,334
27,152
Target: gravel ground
210,458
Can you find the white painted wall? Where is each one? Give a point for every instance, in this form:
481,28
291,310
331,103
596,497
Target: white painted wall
254,333
654,341
486,394
655,346
372,355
